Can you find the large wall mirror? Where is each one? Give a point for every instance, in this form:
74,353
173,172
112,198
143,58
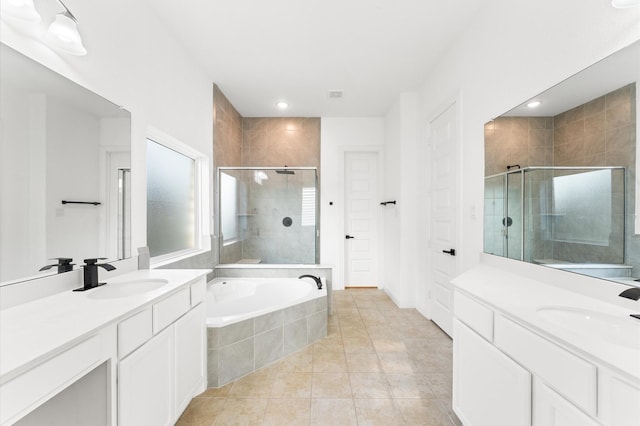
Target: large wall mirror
560,174
64,171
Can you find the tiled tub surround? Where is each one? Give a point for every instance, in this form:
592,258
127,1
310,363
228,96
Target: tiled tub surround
241,342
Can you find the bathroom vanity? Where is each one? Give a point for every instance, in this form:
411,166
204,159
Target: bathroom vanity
530,350
131,352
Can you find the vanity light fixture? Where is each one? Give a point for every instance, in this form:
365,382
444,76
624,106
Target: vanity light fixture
533,104
282,105
623,4
63,33
23,10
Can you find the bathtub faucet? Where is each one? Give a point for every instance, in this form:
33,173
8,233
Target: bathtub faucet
316,279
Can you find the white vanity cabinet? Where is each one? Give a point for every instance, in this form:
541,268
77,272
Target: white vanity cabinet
145,382
489,387
506,373
158,379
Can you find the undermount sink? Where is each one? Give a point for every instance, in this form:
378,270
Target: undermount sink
622,331
119,289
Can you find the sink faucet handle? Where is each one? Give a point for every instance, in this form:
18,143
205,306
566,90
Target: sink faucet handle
632,293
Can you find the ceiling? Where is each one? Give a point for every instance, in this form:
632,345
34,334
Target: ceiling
261,52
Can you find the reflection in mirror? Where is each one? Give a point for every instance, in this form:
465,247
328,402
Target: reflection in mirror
560,174
59,142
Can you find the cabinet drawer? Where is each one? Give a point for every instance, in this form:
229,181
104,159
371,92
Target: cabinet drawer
569,375
170,309
133,332
198,291
473,314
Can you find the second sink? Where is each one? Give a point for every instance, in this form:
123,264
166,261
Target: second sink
622,331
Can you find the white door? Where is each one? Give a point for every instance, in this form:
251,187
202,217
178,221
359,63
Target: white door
361,219
443,195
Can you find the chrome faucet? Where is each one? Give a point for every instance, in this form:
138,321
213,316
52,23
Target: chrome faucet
91,273
316,279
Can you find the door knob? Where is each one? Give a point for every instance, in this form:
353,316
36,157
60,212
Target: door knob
348,237
452,252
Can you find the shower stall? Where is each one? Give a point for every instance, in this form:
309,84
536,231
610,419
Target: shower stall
571,218
268,215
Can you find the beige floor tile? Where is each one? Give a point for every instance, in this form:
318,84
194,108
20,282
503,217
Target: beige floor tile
354,331
362,362
441,384
389,344
287,412
301,361
333,412
382,412
329,361
357,344
395,362
331,343
202,411
423,412
292,385
242,411
331,385
220,392
257,384
415,385
369,385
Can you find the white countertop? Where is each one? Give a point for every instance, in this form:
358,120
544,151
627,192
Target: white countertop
519,296
34,331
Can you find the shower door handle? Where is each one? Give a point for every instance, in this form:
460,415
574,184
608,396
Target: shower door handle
452,252
348,237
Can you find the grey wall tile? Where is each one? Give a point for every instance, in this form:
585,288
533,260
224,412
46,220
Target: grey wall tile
213,355
295,336
213,337
295,312
269,347
268,321
236,332
235,361
317,326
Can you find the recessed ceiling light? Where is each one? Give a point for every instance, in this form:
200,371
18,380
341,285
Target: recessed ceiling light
533,104
282,105
623,4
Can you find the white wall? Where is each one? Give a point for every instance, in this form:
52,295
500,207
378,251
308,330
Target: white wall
134,62
340,135
402,181
510,52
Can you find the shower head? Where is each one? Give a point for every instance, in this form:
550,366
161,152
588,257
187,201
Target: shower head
285,172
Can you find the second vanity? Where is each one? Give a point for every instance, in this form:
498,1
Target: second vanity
530,353
131,352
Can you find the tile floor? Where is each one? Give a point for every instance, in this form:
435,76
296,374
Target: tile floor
379,365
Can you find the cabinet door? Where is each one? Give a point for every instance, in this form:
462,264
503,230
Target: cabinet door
551,409
145,383
489,388
190,356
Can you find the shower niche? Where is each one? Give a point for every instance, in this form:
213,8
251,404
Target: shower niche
268,215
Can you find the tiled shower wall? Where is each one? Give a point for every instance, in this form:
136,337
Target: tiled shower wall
601,132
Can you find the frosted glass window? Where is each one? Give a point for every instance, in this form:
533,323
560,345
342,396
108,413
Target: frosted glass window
171,210
229,206
583,207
